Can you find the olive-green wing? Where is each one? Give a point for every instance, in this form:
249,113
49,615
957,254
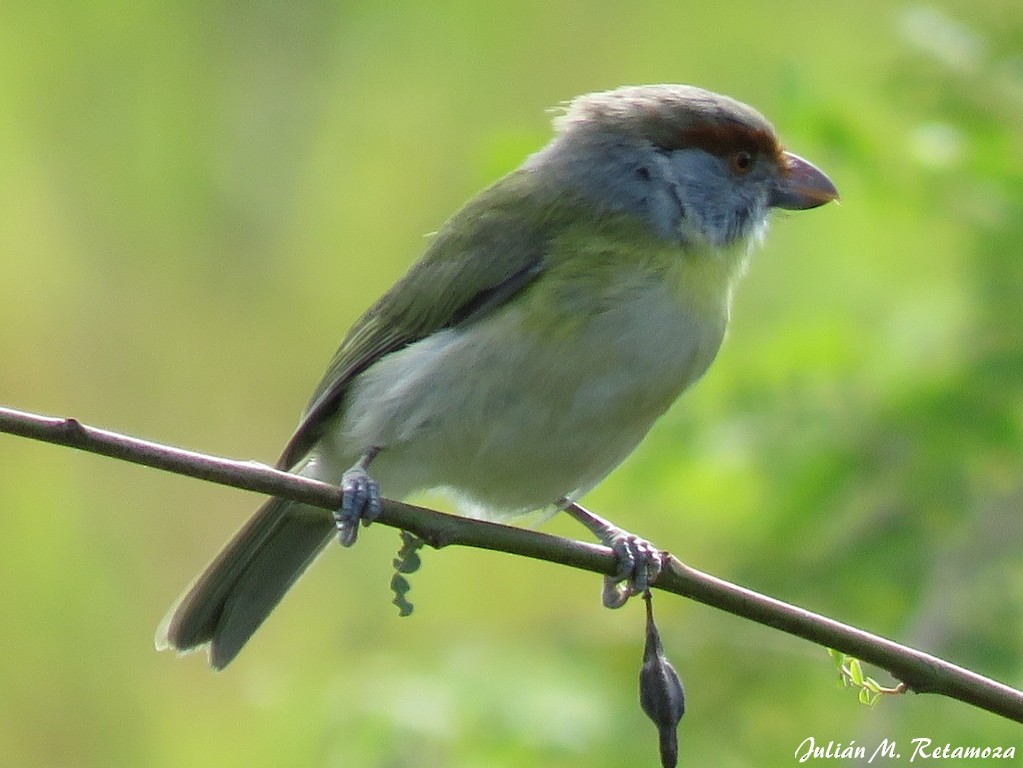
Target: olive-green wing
489,251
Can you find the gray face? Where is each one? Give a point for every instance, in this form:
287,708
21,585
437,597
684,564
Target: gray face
721,201
689,195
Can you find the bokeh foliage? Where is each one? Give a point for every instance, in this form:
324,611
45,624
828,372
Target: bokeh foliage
196,199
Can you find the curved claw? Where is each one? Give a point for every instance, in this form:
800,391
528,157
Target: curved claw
360,501
615,593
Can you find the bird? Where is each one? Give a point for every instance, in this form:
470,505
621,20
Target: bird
542,332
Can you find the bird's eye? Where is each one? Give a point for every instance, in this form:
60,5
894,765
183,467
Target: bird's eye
741,161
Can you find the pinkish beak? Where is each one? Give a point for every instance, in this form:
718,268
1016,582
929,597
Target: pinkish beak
802,185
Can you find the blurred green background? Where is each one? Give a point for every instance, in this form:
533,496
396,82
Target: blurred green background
197,199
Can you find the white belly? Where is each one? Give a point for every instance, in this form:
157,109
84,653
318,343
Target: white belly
513,419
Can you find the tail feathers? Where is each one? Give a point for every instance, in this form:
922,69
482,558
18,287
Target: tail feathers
226,604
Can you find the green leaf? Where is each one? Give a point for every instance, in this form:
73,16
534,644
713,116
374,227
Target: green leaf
856,672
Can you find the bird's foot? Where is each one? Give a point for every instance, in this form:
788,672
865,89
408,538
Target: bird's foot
360,500
639,565
639,561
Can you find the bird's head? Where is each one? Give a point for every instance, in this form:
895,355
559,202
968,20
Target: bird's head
702,168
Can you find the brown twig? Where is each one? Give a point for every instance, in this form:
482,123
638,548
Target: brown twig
919,671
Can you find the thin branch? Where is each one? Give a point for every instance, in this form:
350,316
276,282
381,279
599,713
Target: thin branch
919,671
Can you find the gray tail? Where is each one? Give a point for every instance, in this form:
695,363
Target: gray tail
228,601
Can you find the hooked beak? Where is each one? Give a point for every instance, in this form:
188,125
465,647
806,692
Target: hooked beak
802,185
